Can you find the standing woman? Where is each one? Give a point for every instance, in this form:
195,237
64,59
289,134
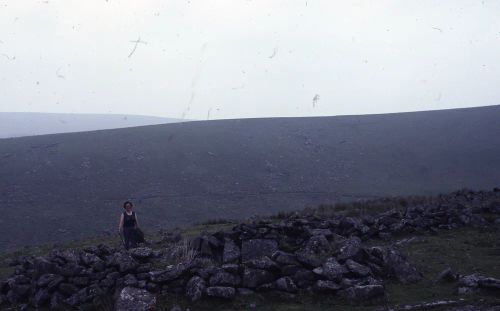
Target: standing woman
128,225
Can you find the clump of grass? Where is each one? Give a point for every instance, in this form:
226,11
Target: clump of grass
180,252
215,221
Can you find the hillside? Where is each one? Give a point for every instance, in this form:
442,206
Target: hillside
18,124
71,186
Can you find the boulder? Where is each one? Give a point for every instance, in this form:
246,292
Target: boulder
357,269
169,274
43,266
349,249
331,270
45,279
141,253
325,286
286,284
223,278
221,292
231,252
264,263
195,288
41,297
398,266
445,275
252,278
134,299
257,248
284,258
317,247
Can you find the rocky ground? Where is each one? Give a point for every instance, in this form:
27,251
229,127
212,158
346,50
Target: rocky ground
384,255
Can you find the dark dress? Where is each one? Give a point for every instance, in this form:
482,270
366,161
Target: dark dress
129,233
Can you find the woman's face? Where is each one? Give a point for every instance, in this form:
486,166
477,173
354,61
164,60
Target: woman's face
128,207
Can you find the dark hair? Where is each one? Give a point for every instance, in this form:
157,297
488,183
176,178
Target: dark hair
127,202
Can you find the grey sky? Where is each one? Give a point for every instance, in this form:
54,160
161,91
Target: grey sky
247,58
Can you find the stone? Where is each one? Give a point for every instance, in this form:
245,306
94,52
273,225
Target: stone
45,279
331,270
264,263
141,253
53,284
43,266
67,289
80,281
168,275
349,249
89,259
304,278
362,293
286,284
397,265
284,258
357,269
223,278
56,301
490,283
130,280
134,299
445,275
325,286
252,278
245,291
41,297
317,246
221,292
195,288
257,248
231,252
231,268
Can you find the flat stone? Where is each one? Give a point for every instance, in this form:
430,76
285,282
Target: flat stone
134,299
257,248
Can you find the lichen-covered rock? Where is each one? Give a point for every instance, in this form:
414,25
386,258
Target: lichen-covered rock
257,248
195,288
223,278
221,292
141,252
231,252
331,270
169,274
349,249
134,299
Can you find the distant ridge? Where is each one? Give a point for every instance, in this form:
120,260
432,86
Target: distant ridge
18,124
71,186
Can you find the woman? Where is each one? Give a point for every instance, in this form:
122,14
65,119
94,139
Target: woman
128,225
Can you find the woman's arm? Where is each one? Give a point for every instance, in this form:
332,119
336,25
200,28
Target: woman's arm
120,225
136,221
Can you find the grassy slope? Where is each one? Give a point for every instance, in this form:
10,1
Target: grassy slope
72,185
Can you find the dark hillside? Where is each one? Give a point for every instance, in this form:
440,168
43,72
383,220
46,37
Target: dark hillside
71,186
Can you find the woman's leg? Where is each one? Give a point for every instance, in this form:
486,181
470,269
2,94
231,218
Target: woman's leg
126,237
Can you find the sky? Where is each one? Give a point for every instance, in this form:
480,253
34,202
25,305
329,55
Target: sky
204,59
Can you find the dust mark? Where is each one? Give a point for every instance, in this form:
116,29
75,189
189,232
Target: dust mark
194,82
315,100
242,86
438,98
436,28
135,45
274,53
208,113
58,74
8,57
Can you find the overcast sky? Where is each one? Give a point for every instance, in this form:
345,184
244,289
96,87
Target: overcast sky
204,59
